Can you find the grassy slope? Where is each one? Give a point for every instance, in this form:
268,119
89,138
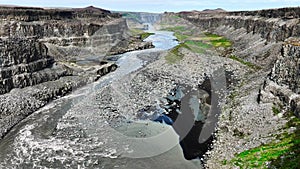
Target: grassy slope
284,153
143,35
201,42
195,42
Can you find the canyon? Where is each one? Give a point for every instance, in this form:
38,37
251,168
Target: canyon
227,85
43,48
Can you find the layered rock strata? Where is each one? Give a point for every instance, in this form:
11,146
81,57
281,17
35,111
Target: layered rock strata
268,39
41,51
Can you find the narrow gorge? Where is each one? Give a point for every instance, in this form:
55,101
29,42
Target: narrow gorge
92,88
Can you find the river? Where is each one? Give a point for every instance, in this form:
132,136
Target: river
70,133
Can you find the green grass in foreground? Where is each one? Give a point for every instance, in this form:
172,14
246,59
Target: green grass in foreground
283,153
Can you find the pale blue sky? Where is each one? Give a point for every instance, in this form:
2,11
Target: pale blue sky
159,5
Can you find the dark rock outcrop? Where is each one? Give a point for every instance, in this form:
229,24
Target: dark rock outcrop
25,62
282,85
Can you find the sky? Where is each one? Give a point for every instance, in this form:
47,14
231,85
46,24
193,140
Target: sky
159,5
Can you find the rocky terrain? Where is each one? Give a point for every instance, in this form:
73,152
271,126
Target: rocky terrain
55,51
268,42
243,66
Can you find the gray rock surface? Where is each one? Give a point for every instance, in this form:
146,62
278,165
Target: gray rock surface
270,40
46,53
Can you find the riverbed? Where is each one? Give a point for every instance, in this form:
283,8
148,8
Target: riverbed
72,132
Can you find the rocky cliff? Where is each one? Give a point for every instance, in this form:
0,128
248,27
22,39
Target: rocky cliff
260,29
258,109
268,38
67,33
33,38
41,51
282,85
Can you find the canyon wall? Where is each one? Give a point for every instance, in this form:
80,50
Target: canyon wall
69,32
41,50
267,38
32,39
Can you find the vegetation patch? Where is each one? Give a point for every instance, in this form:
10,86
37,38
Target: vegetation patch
179,32
142,34
176,17
283,153
198,44
275,110
175,55
217,40
181,37
136,32
175,29
145,35
249,64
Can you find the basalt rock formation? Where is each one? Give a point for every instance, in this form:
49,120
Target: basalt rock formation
268,39
40,51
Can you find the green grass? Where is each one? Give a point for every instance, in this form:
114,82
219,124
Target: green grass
175,29
275,110
283,153
249,64
181,37
217,40
145,35
221,43
176,17
198,44
179,32
138,32
174,54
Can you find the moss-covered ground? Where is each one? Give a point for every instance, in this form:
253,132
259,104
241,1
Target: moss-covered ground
249,64
142,34
197,42
283,153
